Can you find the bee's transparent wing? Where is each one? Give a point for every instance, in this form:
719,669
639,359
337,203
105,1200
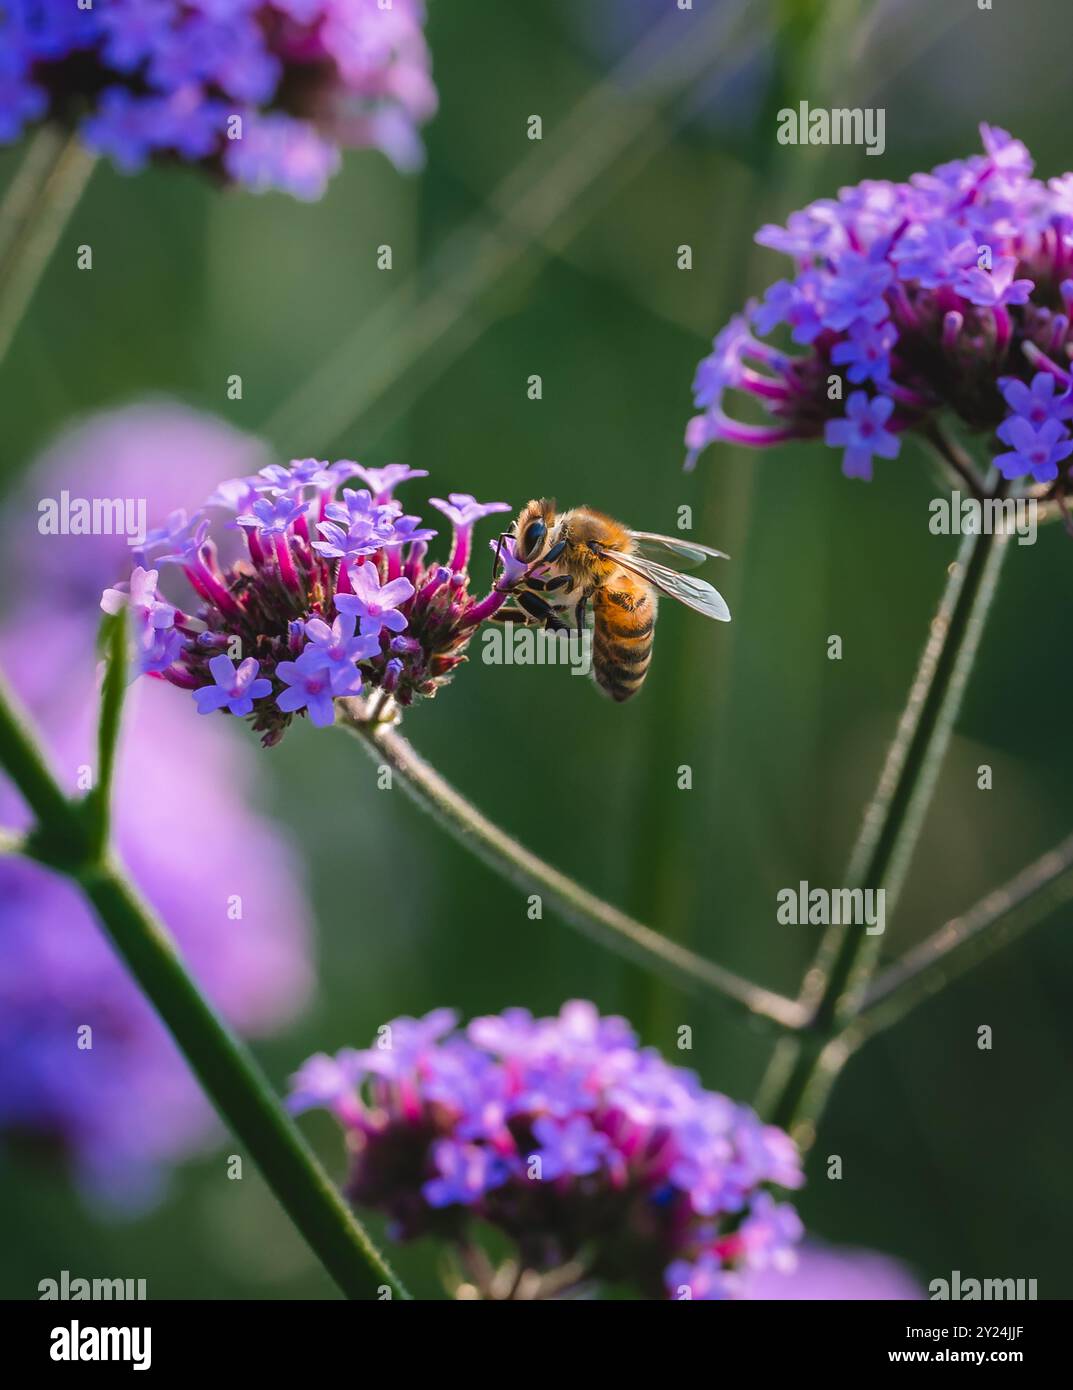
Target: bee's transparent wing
686,588
690,552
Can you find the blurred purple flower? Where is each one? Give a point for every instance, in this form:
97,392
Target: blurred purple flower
836,1273
125,1110
264,92
642,1173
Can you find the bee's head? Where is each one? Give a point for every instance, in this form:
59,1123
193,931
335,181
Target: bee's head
534,531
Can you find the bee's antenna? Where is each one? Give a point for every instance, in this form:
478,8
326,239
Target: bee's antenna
499,548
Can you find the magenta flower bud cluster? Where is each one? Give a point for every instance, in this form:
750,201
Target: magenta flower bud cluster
568,1137
307,596
260,92
949,293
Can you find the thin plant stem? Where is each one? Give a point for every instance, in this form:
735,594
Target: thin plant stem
796,1085
230,1076
1028,898
113,694
581,908
239,1089
955,458
35,210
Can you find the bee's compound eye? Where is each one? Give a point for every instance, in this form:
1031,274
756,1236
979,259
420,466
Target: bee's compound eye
534,534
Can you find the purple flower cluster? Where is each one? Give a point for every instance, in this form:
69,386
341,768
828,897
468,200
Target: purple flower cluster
261,92
952,292
327,596
569,1138
119,1112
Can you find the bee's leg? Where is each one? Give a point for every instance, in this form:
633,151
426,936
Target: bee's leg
538,608
509,615
581,612
554,553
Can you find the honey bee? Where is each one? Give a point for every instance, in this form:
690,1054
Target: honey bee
580,558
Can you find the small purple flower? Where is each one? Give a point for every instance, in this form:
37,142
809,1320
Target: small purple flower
855,292
329,1083
466,1172
277,152
337,649
149,612
235,688
862,433
164,649
724,366
934,254
310,688
569,1147
185,537
1037,403
405,530
463,510
770,1232
358,504
866,352
384,481
122,128
375,604
272,516
1038,452
996,287
1006,153
361,538
796,304
817,231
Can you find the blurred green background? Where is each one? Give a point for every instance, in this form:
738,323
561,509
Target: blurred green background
953,1158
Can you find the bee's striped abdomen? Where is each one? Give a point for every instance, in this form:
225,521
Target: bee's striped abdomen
624,629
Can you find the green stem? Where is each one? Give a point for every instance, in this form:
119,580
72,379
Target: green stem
796,1086
582,909
113,694
1028,898
240,1090
231,1078
36,207
26,765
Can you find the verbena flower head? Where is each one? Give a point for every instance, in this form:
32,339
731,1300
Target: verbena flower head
570,1139
949,293
259,92
312,591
